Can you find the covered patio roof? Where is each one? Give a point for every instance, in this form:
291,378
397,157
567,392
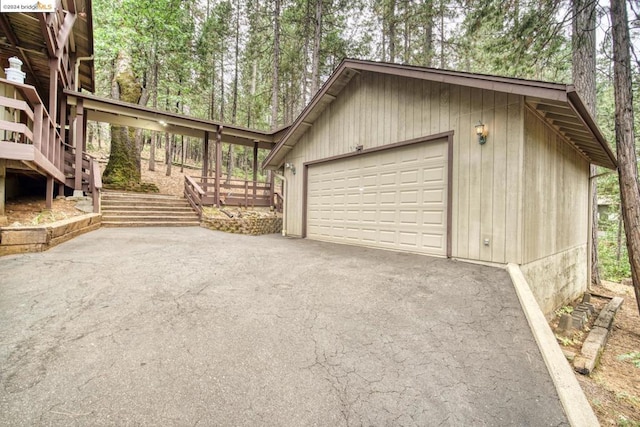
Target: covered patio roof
126,114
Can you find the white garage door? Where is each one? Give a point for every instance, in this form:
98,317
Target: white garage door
394,199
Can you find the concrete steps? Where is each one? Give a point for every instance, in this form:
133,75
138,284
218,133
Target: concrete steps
121,209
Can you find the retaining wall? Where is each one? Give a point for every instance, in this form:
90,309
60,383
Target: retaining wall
38,238
252,226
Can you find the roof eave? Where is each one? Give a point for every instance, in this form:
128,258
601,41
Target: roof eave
581,110
550,91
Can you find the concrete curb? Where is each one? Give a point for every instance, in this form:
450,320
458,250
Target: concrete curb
593,346
575,403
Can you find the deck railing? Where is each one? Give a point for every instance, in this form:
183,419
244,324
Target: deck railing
25,120
30,123
95,183
194,194
233,192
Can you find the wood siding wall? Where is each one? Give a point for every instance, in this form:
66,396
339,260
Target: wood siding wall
556,203
375,109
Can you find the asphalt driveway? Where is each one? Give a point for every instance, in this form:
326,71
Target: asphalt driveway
186,326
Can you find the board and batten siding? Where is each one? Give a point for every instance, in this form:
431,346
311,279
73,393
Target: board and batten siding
555,216
556,202
376,109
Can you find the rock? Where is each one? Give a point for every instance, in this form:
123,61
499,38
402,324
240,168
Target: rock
566,324
85,206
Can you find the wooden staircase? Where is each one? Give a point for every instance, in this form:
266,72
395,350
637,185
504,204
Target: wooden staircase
121,209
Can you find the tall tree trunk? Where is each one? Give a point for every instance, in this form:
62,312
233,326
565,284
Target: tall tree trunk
222,87
230,163
276,65
625,139
152,151
123,171
254,78
234,106
212,98
317,38
391,28
442,35
584,78
169,143
428,33
154,103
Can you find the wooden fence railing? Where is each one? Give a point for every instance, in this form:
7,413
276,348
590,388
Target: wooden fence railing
25,120
95,183
236,192
30,123
194,194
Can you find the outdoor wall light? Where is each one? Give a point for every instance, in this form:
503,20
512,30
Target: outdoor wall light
162,122
291,167
481,131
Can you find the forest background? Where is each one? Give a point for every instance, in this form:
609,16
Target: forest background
257,63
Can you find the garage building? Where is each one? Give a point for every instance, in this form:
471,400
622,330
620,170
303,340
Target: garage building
442,163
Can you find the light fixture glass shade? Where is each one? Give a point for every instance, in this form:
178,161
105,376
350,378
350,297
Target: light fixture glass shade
480,129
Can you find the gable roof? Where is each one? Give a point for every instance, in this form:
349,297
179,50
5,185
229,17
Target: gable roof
558,104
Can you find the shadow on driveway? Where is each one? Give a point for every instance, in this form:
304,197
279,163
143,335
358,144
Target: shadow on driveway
187,326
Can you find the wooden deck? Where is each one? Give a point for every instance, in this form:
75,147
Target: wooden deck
201,191
30,142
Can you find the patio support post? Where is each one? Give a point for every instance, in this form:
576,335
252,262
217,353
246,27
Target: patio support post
3,176
255,170
272,186
53,89
49,195
218,165
79,143
205,158
63,137
52,147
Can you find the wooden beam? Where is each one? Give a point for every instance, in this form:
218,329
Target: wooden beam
46,34
79,142
65,30
5,25
255,169
53,88
563,111
205,156
3,175
218,165
49,194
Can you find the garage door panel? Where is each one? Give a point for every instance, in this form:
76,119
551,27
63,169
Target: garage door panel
408,217
368,215
387,217
392,199
387,198
432,218
434,242
407,238
409,177
433,196
387,178
409,197
435,175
